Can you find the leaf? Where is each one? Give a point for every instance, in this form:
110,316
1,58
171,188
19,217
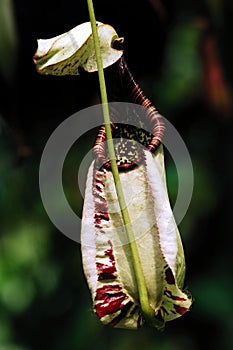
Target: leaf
107,258
67,53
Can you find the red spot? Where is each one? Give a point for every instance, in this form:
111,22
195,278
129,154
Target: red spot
101,216
110,298
98,188
168,293
99,183
111,306
169,276
101,208
106,268
180,310
104,291
106,272
109,252
103,276
179,299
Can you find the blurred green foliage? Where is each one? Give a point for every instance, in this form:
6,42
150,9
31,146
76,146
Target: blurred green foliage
8,39
44,299
181,71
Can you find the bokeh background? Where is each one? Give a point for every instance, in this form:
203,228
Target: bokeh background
181,53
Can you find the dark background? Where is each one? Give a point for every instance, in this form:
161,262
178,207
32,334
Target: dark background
181,53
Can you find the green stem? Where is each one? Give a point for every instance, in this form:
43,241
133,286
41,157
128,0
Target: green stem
140,279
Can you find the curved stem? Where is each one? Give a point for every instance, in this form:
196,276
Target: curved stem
140,279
